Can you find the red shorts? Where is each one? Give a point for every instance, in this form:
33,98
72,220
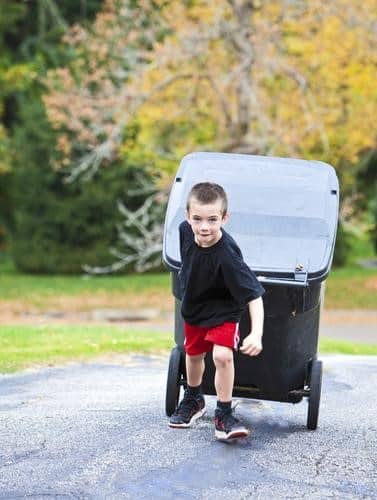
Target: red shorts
201,339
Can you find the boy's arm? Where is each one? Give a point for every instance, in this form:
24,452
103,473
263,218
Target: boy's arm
252,344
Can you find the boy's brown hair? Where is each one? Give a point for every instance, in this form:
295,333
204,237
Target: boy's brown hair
206,193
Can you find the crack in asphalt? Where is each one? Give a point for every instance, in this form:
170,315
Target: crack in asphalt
320,460
21,457
106,437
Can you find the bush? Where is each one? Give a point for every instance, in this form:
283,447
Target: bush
373,230
59,227
5,209
366,183
343,246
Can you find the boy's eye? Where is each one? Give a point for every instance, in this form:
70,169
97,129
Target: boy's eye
210,219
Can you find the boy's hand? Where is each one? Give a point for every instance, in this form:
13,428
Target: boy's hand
251,345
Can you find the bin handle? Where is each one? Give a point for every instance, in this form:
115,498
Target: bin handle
282,281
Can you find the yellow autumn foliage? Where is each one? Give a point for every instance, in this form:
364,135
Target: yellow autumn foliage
287,78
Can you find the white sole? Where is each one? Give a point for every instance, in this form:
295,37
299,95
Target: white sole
237,434
189,424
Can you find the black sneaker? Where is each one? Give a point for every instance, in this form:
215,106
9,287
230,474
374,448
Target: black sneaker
189,409
227,426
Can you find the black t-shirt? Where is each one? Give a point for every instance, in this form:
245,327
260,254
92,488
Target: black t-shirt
216,283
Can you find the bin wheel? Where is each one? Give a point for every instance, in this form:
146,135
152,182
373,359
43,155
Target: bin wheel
314,394
173,385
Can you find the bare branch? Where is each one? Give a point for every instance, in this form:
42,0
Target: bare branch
140,236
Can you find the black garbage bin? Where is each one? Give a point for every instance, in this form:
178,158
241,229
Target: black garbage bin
283,214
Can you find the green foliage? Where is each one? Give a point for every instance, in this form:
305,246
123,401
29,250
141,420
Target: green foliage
5,208
30,43
5,156
57,227
36,27
366,179
11,12
373,229
192,111
343,246
352,245
366,182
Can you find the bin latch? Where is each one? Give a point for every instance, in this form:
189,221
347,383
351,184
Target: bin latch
300,273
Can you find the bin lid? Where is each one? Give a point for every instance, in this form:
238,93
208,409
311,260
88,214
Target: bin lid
283,211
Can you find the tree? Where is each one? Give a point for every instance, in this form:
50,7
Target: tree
90,100
30,35
59,227
258,73
284,78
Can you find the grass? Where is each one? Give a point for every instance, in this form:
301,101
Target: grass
351,288
331,346
27,346
14,284
24,346
75,293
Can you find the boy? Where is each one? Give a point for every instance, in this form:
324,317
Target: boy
216,287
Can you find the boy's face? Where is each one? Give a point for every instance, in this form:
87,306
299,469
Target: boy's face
206,221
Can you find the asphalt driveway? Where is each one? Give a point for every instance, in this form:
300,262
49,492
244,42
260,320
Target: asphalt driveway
99,431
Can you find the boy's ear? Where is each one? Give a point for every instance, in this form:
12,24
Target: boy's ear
225,218
187,217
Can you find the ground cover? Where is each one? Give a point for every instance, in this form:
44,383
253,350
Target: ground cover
24,342
25,346
351,287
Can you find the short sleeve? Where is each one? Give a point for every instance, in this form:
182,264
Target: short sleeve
240,279
181,237
185,236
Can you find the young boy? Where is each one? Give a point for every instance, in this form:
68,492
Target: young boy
217,285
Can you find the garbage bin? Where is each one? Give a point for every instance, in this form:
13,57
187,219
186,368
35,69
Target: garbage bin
283,215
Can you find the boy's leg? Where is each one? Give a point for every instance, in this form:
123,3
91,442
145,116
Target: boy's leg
224,376
227,426
192,405
195,369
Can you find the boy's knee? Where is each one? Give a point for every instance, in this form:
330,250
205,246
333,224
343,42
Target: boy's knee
196,358
222,355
